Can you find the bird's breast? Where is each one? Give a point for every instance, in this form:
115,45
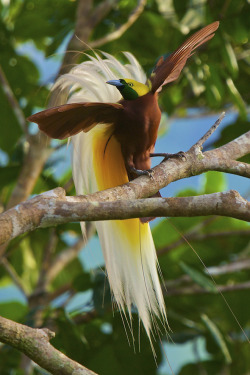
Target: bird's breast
141,118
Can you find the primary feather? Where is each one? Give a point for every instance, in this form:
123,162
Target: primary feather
168,70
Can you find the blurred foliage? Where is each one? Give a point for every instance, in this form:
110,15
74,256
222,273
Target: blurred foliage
216,79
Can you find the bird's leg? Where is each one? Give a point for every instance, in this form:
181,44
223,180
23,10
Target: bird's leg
140,172
131,167
166,156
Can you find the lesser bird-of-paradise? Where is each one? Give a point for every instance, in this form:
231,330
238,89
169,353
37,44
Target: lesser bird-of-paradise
113,134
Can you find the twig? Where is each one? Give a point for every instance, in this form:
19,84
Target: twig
13,102
242,264
205,137
14,276
35,344
196,236
47,255
195,289
134,15
33,163
63,258
87,17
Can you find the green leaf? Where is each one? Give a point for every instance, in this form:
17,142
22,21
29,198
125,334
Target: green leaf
229,58
213,95
236,97
214,182
199,278
13,310
218,338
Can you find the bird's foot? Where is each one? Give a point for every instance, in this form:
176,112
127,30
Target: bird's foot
166,156
140,172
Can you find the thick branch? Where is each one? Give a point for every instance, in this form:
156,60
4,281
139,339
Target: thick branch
35,344
53,208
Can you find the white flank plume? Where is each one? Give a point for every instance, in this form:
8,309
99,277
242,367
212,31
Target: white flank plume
131,264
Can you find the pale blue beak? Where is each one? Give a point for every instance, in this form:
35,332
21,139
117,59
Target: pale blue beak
115,82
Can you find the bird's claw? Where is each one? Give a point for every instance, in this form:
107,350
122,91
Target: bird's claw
179,155
166,156
150,173
140,172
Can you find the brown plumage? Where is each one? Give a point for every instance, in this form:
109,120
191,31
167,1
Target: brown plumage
136,118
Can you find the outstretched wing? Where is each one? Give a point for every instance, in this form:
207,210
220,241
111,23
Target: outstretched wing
69,119
169,70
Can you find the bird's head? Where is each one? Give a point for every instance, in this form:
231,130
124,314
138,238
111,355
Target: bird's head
129,88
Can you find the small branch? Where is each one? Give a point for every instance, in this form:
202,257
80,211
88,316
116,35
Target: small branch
13,102
101,10
197,236
53,208
234,167
239,265
35,344
34,160
208,134
87,18
47,256
14,276
134,15
63,258
235,149
195,289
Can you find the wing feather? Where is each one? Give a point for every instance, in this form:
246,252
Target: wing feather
69,119
169,70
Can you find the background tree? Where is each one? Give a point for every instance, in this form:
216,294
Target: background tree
44,279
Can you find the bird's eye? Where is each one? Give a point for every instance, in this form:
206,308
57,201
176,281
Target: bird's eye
130,84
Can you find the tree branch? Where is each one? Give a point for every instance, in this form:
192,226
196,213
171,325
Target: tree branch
14,276
197,236
86,20
134,15
196,289
208,134
53,208
13,102
35,344
62,259
33,163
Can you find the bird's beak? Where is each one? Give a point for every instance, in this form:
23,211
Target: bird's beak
115,82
